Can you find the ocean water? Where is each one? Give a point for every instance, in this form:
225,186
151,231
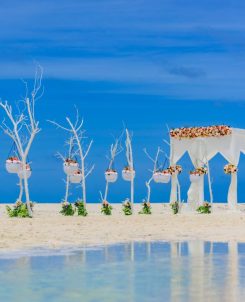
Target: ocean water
158,271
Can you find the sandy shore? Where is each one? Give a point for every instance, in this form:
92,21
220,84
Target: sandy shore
50,229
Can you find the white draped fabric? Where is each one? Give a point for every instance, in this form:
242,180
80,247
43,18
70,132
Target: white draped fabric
173,194
202,150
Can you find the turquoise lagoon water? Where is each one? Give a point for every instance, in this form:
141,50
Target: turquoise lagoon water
159,271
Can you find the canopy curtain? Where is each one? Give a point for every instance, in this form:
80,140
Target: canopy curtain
202,150
232,156
197,153
176,152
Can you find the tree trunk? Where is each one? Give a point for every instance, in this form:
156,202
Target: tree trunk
83,182
106,190
132,194
26,188
148,191
21,190
67,187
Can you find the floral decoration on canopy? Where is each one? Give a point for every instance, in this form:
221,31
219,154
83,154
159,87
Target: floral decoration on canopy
199,171
194,132
230,168
177,169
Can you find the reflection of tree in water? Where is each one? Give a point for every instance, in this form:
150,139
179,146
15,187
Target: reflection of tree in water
192,271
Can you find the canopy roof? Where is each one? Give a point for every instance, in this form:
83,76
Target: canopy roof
194,132
203,143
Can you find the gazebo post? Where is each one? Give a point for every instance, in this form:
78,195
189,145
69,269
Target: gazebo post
210,186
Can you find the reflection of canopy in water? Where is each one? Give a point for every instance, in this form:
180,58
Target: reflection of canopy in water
202,149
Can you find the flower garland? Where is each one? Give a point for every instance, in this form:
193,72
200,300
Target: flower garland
175,169
70,161
110,171
159,171
128,169
199,171
194,132
230,169
13,159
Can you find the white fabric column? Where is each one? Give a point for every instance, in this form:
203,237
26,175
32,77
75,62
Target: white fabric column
196,190
173,194
232,192
193,195
177,150
201,190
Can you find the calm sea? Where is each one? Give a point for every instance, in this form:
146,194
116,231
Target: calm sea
158,271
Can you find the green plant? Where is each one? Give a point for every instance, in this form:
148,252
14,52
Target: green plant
127,208
67,209
106,208
81,209
205,208
146,208
19,210
175,207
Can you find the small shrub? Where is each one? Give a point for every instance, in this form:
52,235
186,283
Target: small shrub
175,207
205,208
106,208
81,209
146,208
67,209
19,210
127,207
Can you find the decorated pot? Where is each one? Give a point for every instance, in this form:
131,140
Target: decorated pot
128,174
111,176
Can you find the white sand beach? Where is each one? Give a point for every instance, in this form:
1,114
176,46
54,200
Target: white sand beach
50,229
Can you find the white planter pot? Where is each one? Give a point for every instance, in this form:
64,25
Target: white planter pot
76,178
12,166
70,168
128,175
195,177
159,177
21,173
111,176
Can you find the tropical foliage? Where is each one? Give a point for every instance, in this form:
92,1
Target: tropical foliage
205,208
175,207
146,208
127,207
67,209
81,209
106,208
19,210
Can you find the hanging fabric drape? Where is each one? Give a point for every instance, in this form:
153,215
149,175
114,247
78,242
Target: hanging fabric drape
173,194
203,149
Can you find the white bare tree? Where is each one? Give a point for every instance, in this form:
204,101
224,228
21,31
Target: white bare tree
22,127
115,149
154,160
71,154
130,161
77,131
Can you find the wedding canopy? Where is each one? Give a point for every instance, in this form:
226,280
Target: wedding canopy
202,144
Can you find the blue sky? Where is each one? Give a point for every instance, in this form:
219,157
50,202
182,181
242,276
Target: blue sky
144,63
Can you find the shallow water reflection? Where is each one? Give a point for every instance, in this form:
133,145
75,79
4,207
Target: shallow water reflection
179,271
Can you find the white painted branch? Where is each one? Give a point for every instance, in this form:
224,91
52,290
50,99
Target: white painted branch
152,171
148,185
129,156
78,137
21,190
23,141
90,171
115,149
